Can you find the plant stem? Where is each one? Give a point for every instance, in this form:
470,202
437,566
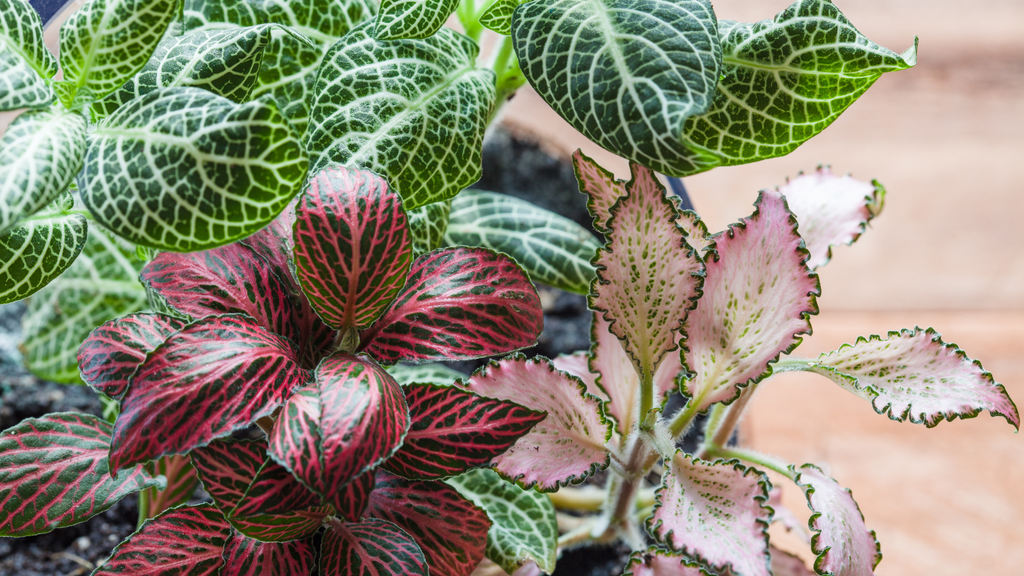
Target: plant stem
587,499
470,19
144,498
793,365
646,399
681,421
720,429
755,458
509,76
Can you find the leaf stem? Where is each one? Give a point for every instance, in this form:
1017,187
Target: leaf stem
755,458
646,399
720,428
682,419
586,499
793,365
470,19
144,498
509,77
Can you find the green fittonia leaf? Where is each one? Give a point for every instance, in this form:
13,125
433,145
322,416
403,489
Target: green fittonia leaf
498,16
204,170
25,63
412,19
413,111
523,521
552,249
783,81
625,73
428,225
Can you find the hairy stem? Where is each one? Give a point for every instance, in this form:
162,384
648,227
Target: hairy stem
586,499
792,365
682,419
755,458
720,429
646,400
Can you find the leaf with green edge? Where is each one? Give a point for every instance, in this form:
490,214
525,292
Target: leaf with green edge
551,248
759,296
412,19
40,154
498,16
625,73
25,63
914,375
523,525
244,556
843,544
217,375
449,529
715,513
106,42
181,483
184,540
831,210
54,473
458,304
38,249
101,284
206,171
657,561
273,490
697,235
425,137
783,81
352,246
372,547
566,447
428,225
453,430
112,352
437,374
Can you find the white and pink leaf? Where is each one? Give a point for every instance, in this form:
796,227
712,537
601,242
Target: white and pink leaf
844,545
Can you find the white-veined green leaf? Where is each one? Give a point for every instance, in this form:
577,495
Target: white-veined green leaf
204,171
625,73
498,16
402,19
552,249
413,111
25,63
105,42
428,224
100,285
40,154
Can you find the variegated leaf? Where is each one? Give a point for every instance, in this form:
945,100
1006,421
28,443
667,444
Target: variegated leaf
524,528
454,430
112,352
352,246
914,375
458,303
600,186
188,540
25,63
205,171
424,136
412,19
758,296
39,248
428,225
697,235
831,210
437,374
844,545
351,501
217,375
40,154
372,547
181,483
564,448
54,473
656,561
295,440
716,513
244,556
625,73
448,528
553,249
273,490
498,16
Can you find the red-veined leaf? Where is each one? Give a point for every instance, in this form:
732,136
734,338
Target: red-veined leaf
285,527
831,210
53,473
294,442
600,186
274,490
352,246
181,483
215,376
112,352
454,430
564,448
183,541
354,497
844,545
758,296
714,512
451,531
458,303
244,556
370,548
657,561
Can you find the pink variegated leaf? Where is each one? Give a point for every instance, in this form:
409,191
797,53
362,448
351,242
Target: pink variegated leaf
714,512
112,352
697,235
657,561
914,375
758,296
454,430
370,548
786,517
844,545
450,530
187,540
352,246
648,277
458,303
294,442
215,376
832,210
351,501
244,556
566,447
786,564
53,473
600,186
274,490
181,483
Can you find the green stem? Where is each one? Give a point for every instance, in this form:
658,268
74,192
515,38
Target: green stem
681,421
144,498
646,399
793,365
509,75
724,420
755,458
470,19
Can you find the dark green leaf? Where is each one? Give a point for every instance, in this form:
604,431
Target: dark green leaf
498,16
39,249
25,63
428,224
412,19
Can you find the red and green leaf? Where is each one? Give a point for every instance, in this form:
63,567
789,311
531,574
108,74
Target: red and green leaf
112,352
450,530
274,490
844,545
215,376
188,540
54,473
370,548
181,483
600,186
352,500
286,527
352,246
458,303
294,442
454,430
244,556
